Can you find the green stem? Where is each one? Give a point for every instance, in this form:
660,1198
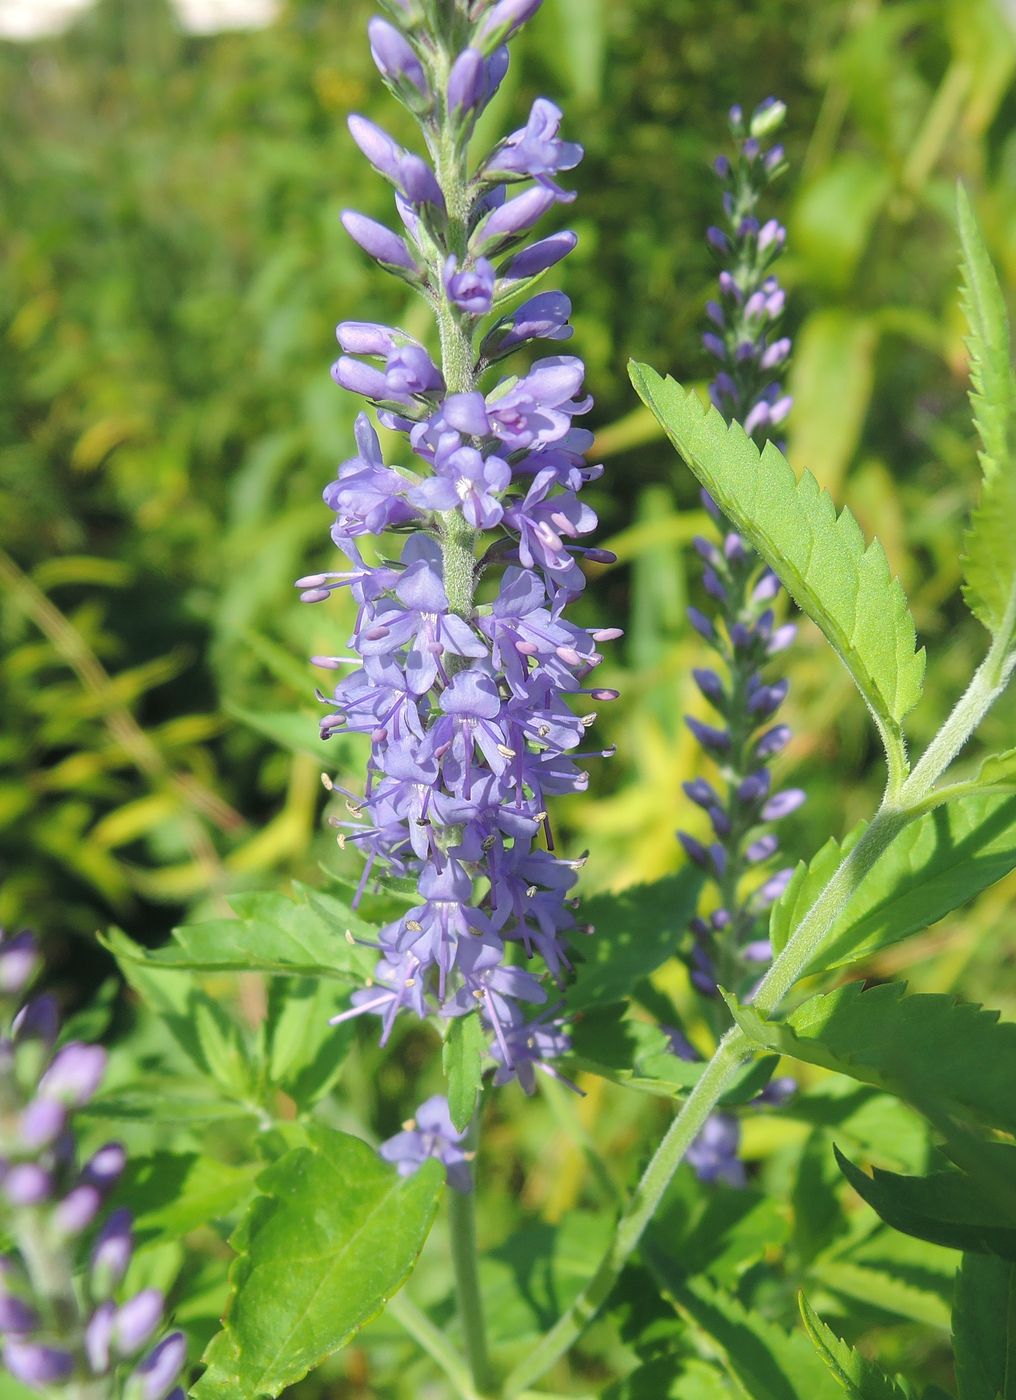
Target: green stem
716,1079
988,683
462,1224
791,964
434,1343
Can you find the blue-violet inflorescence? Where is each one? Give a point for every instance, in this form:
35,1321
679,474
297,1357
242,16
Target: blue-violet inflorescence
745,339
465,665
65,1327
729,946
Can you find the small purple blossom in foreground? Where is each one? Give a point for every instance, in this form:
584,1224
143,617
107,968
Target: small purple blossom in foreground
431,1134
56,1334
466,704
728,945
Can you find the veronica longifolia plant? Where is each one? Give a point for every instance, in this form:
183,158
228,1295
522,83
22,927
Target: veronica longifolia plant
465,661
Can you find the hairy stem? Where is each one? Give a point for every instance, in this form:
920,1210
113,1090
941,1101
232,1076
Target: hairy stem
787,969
462,1223
434,1342
716,1079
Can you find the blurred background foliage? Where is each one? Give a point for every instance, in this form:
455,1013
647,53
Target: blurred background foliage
173,267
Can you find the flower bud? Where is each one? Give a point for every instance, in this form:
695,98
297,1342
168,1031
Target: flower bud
467,82
76,1211
159,1370
538,256
377,241
112,1253
105,1167
41,1124
19,962
396,58
503,20
36,1365
27,1184
136,1321
99,1337
39,1020
767,118
16,1316
75,1074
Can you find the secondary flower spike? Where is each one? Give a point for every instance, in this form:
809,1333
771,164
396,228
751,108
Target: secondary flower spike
729,946
59,1336
465,666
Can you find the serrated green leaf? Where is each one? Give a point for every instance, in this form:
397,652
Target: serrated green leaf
636,930
896,1042
999,769
155,1102
768,1363
887,1290
462,1056
313,935
989,559
945,1207
335,1234
938,862
984,1328
854,1374
177,1191
671,1378
304,1053
610,1043
842,584
225,1049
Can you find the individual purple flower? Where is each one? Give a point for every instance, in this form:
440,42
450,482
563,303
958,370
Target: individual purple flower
536,151
471,703
472,288
431,1134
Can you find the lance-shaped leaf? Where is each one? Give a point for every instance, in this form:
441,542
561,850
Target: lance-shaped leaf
334,1235
844,585
984,1328
923,1048
313,935
938,862
855,1375
766,1362
947,1207
636,930
989,558
462,1057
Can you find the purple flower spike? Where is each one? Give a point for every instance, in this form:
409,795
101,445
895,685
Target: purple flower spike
51,1203
743,338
